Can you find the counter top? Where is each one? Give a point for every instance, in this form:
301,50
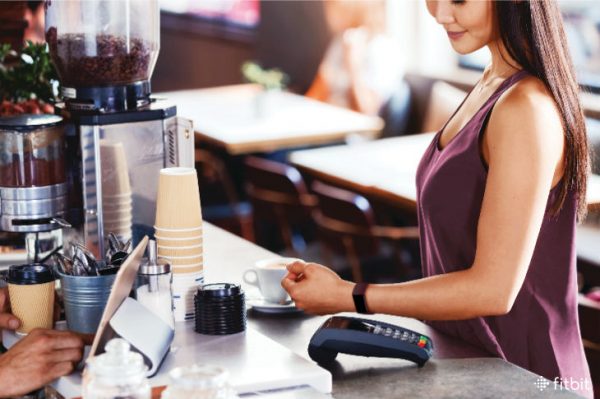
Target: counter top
457,370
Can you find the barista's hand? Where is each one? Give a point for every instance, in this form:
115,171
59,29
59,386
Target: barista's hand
317,289
36,360
7,320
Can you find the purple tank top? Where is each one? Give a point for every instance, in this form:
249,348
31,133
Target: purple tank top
541,332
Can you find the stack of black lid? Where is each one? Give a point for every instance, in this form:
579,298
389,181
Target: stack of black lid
220,309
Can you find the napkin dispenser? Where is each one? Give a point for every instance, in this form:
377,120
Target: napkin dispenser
126,318
146,332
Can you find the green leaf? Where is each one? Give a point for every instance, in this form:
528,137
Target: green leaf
32,76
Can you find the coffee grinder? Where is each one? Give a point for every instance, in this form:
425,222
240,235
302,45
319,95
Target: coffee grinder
33,185
117,135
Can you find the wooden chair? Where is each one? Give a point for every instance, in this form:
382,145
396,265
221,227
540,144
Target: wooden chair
347,226
230,213
279,195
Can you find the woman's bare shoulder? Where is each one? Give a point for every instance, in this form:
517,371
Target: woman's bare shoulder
528,113
530,93
530,99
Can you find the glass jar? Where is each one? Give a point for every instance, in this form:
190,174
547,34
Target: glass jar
103,43
154,285
31,151
199,382
117,373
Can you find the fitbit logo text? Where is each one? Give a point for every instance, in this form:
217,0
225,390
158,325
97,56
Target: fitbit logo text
573,384
566,383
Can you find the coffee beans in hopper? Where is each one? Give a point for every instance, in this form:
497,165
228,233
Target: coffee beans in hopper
115,62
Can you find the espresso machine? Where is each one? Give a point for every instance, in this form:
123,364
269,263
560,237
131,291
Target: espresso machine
116,135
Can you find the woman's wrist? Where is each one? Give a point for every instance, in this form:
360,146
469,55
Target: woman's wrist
345,296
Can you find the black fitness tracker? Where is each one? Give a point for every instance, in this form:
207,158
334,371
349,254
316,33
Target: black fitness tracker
358,295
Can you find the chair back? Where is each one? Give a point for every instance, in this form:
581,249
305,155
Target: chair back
279,195
221,203
215,178
276,187
345,220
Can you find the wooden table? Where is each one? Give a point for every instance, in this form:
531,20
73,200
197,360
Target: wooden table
243,119
383,169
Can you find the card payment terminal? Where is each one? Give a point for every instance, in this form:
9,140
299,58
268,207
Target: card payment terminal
370,338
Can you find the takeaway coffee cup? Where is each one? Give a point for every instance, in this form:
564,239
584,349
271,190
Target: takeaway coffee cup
31,292
267,275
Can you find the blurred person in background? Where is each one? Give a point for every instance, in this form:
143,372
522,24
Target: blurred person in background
35,17
362,65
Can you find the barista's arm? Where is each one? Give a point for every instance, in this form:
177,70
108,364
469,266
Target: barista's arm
38,359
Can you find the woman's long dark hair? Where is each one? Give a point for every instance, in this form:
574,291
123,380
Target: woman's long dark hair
533,34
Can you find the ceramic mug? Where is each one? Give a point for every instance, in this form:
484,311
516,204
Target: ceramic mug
267,275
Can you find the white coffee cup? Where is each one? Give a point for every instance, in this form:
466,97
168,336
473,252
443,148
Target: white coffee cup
267,276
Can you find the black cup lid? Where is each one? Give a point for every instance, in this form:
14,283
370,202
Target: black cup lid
30,274
219,290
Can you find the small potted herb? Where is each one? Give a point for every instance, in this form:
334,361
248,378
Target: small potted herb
272,82
28,80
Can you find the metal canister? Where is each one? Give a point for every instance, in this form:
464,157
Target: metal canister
85,298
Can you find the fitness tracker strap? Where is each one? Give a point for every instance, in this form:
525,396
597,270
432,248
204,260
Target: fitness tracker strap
358,294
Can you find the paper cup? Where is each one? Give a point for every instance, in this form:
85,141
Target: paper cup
178,199
118,197
117,213
178,233
168,252
115,178
186,269
121,228
184,260
31,293
118,222
187,282
178,242
112,203
182,230
194,277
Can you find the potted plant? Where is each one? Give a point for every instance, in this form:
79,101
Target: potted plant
272,82
28,80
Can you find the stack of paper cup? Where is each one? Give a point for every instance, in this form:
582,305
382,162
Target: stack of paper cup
178,232
116,189
185,286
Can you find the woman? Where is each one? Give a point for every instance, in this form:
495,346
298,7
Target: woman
360,69
499,192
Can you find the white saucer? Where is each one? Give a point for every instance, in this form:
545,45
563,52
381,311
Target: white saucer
262,306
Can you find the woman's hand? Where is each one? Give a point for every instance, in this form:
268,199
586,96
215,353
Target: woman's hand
317,289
